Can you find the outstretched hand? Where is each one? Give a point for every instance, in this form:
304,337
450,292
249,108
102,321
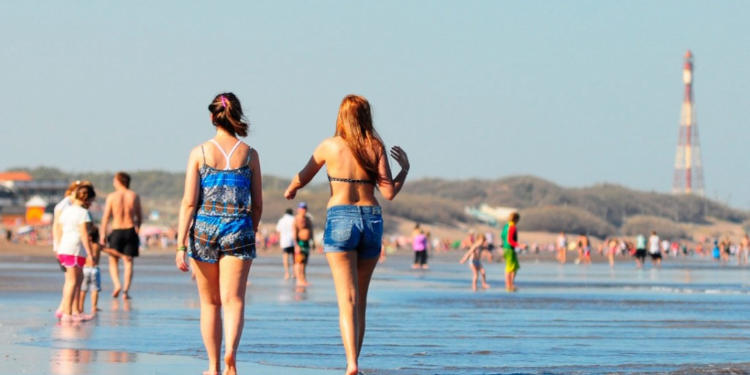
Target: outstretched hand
399,155
290,193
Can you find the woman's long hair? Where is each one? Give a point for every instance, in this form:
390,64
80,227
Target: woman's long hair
354,126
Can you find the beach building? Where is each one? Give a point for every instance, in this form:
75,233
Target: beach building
24,200
25,187
35,211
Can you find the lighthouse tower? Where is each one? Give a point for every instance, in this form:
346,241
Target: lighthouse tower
688,169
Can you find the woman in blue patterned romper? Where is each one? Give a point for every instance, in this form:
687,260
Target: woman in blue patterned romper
356,162
219,216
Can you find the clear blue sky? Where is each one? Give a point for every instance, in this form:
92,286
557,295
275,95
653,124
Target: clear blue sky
577,92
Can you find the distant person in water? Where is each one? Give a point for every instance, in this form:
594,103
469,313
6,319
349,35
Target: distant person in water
357,162
419,243
219,216
474,256
611,249
123,206
303,242
285,228
640,250
742,253
654,248
509,236
562,248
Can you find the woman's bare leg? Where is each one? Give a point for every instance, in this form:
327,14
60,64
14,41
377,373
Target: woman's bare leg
344,270
207,279
233,274
68,290
365,268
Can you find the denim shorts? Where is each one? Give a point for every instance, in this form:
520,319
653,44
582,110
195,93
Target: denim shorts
91,279
351,228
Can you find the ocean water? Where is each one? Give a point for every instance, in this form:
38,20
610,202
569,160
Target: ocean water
691,317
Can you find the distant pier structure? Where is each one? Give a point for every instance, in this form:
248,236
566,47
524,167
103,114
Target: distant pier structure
688,169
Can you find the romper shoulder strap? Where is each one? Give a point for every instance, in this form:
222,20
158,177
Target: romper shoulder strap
204,155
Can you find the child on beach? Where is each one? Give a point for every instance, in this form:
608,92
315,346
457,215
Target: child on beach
474,256
91,278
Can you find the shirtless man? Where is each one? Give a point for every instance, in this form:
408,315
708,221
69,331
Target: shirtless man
303,242
124,206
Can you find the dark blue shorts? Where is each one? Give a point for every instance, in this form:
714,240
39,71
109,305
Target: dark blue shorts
212,237
354,228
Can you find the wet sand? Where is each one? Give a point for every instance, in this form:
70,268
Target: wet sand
688,317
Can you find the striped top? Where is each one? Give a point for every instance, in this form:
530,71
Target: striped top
225,192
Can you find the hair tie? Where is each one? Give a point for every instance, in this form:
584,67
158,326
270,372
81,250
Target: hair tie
223,101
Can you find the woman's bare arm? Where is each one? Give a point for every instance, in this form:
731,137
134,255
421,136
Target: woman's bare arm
307,173
83,230
188,205
256,189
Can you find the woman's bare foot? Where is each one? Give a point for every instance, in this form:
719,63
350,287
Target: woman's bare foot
125,295
210,372
352,370
116,291
230,363
486,286
66,318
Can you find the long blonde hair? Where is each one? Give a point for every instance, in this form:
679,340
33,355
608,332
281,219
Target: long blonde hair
354,126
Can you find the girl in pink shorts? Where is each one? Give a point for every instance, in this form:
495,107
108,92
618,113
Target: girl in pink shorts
73,248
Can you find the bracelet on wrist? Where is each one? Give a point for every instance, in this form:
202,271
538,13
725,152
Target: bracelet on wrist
181,248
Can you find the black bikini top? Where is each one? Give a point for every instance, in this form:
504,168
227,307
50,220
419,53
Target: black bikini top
350,180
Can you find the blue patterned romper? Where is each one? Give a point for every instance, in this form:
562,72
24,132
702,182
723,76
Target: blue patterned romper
223,225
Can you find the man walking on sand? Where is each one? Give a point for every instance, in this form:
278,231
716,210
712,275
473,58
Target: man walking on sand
303,242
124,207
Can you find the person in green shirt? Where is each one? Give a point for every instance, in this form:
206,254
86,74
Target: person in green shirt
509,235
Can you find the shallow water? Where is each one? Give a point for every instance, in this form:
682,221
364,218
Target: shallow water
684,318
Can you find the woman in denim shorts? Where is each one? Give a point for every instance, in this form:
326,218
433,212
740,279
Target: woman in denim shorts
357,162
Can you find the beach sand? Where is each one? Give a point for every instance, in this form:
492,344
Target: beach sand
688,317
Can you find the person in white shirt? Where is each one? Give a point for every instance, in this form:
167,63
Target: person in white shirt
654,248
73,248
285,227
67,201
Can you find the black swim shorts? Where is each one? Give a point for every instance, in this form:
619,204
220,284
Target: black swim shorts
125,241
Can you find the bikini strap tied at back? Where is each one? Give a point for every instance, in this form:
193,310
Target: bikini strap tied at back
350,180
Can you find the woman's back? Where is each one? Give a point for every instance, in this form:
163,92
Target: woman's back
225,179
349,182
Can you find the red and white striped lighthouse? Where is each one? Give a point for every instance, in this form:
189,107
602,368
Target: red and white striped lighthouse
688,169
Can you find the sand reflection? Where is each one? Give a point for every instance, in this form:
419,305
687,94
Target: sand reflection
77,361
